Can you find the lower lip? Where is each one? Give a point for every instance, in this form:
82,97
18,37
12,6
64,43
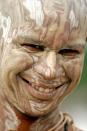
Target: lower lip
40,95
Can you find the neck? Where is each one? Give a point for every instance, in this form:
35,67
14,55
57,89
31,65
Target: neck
21,122
24,120
13,119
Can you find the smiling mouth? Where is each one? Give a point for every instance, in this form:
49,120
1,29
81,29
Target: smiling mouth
44,93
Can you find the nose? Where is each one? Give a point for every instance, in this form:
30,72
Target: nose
46,65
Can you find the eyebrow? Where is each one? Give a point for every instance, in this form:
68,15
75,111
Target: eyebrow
77,45
27,39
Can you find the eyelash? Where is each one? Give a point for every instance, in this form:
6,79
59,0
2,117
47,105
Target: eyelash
64,52
33,47
71,53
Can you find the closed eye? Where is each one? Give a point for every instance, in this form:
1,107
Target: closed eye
33,47
71,53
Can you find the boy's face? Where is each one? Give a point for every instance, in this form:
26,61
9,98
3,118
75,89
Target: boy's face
43,52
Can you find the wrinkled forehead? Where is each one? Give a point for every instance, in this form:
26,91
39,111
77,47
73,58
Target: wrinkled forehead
41,13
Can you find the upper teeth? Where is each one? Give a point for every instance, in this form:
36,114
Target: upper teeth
43,89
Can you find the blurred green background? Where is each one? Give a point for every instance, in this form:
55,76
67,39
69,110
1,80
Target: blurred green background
76,103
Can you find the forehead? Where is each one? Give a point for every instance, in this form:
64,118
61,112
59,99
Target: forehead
48,21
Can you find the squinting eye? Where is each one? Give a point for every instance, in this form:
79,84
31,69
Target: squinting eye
33,47
69,53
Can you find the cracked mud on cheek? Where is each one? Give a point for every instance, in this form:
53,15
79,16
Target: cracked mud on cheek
43,50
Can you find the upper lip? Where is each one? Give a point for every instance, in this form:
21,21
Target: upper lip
45,85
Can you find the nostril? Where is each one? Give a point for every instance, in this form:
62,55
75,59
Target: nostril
45,71
49,74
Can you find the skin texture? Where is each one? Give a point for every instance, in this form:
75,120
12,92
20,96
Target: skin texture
41,56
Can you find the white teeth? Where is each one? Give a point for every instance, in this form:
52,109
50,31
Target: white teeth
43,90
47,90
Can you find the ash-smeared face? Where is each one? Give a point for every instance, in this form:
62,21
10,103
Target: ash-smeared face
43,51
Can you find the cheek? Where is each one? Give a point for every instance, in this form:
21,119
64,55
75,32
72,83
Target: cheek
13,62
74,69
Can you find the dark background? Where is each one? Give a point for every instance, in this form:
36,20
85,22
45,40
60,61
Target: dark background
76,103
